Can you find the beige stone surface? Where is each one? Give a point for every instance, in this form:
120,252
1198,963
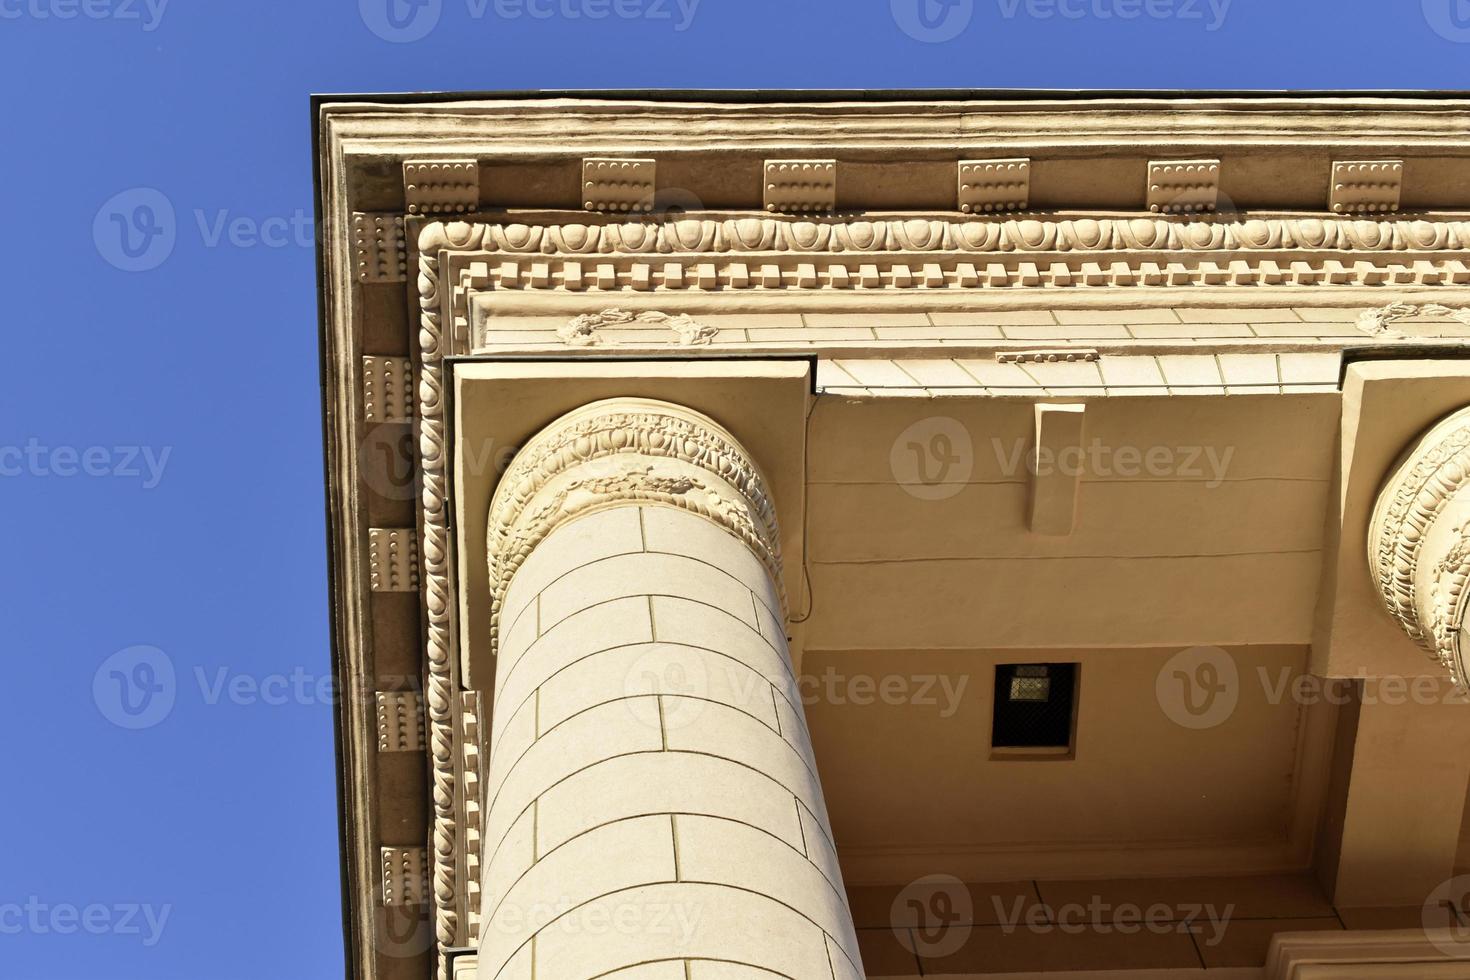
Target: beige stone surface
1401,819
1387,406
448,343
1189,552
653,796
1144,794
501,406
869,333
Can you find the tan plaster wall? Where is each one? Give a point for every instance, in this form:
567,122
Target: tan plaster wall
1154,560
913,788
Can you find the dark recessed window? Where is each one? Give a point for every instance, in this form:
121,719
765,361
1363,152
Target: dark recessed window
1034,706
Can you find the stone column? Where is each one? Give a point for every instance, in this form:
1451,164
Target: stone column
653,808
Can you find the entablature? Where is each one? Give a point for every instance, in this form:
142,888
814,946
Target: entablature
460,232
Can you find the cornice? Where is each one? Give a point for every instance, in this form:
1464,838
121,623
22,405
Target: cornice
516,127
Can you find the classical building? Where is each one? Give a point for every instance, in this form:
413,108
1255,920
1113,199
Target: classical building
826,537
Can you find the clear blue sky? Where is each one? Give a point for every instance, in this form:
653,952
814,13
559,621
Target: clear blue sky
160,457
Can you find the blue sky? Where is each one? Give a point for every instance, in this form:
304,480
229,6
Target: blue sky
160,457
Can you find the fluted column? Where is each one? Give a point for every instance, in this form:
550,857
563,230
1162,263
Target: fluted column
1419,542
653,807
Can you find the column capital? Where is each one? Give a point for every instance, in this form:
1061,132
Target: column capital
1419,542
623,451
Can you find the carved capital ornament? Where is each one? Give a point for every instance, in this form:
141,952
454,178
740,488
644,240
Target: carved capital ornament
1419,542
621,451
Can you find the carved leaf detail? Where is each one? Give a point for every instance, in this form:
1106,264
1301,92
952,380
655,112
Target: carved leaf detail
688,332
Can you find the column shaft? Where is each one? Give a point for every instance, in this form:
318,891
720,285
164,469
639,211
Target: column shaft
653,805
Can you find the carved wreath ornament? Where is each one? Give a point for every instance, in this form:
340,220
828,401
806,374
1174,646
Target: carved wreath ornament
1422,572
688,332
1379,322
